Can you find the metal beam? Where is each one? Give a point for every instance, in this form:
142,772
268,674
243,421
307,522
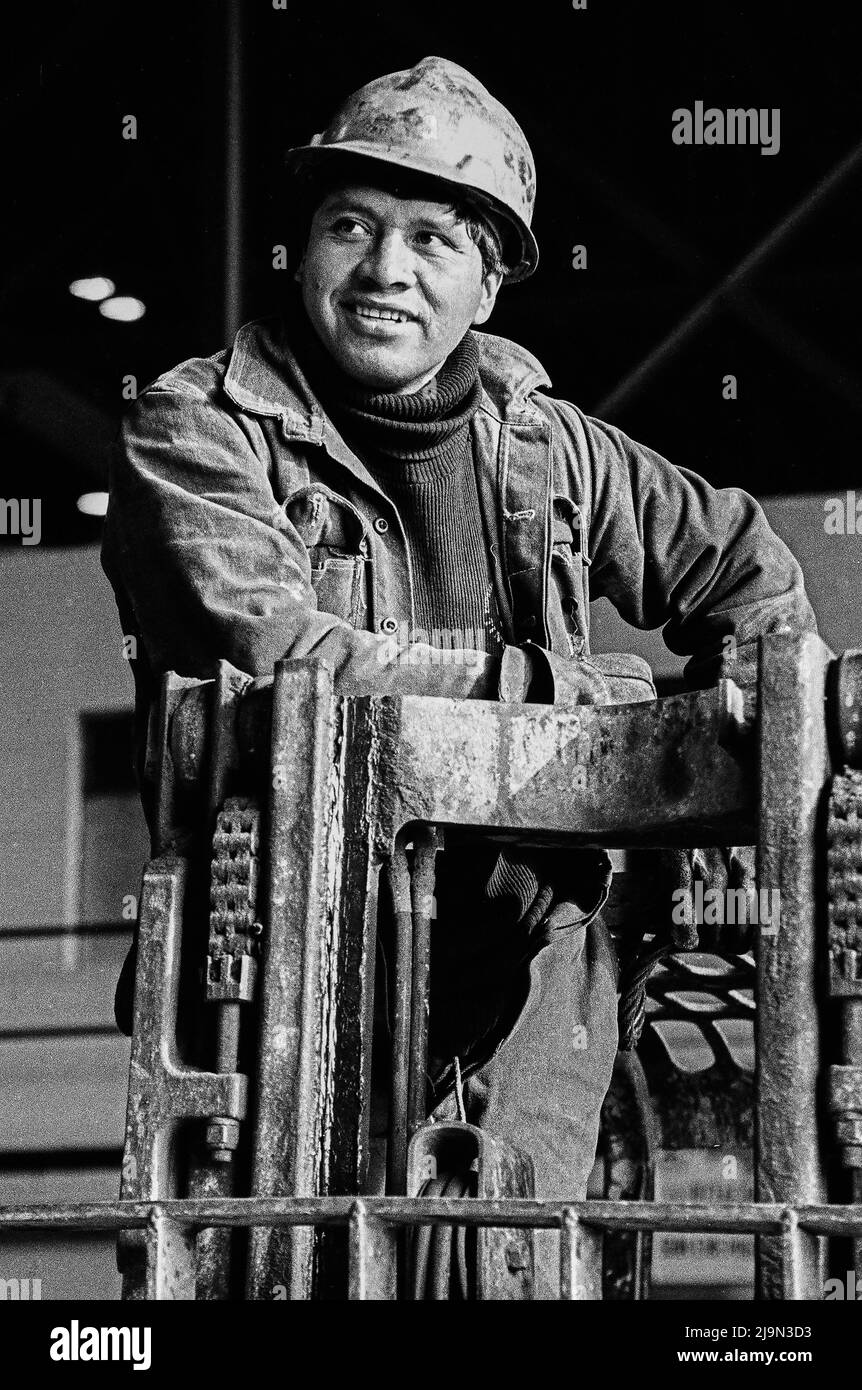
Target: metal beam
794,765
730,286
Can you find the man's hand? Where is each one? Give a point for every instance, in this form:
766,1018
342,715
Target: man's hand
721,872
531,675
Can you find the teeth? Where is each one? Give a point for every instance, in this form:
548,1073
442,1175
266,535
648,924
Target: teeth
365,312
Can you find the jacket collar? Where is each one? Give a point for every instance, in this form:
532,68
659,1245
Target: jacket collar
264,378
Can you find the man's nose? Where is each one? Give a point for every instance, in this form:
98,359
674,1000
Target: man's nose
389,261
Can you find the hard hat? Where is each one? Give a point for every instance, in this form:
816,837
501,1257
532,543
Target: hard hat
437,119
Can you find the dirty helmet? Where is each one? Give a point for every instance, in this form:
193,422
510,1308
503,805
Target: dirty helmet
437,119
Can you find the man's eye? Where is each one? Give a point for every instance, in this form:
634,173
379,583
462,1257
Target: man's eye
433,240
348,226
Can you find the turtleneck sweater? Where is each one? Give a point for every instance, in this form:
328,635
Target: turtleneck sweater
417,448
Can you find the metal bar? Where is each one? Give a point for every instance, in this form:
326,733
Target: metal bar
793,1256
570,773
212,1171
371,1257
169,1260
213,1246
580,1259
747,1218
426,844
851,1038
292,1058
566,774
730,284
163,1090
355,926
353,889
794,767
398,877
357,1252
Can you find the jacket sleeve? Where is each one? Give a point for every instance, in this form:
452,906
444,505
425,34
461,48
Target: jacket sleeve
211,567
671,551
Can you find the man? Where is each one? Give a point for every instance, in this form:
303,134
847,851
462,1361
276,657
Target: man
367,480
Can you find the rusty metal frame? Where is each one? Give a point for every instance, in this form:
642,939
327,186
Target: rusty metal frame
172,1223
794,772
293,1046
165,1092
351,783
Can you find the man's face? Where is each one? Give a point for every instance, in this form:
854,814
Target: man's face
391,285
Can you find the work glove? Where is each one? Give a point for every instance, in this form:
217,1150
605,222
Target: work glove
532,675
720,871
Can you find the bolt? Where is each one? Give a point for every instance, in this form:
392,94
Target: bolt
515,1259
222,1138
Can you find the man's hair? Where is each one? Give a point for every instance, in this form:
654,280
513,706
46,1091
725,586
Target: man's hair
312,187
483,232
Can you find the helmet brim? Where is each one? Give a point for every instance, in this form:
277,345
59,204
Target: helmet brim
307,157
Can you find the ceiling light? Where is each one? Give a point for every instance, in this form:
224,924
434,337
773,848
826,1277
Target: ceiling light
122,307
94,287
93,503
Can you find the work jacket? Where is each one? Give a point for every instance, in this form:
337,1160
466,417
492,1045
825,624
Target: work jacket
242,526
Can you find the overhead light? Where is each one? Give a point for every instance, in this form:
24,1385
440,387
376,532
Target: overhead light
94,287
93,503
122,307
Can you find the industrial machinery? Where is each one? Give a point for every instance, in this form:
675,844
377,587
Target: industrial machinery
283,813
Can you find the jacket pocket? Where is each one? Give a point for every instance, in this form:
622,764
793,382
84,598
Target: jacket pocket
335,535
339,585
568,595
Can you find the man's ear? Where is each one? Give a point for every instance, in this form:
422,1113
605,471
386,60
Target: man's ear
297,274
490,285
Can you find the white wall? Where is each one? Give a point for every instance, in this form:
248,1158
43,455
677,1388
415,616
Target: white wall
62,655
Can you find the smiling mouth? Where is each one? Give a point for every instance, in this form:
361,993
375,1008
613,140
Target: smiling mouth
368,311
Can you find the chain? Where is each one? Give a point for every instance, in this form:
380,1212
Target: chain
234,936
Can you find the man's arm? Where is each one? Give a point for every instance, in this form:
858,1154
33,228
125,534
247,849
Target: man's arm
671,551
214,569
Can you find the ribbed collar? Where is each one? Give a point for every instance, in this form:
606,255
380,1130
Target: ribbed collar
414,438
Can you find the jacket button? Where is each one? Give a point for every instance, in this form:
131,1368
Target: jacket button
381,525
388,625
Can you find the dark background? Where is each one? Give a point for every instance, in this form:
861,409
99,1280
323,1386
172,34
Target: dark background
594,91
